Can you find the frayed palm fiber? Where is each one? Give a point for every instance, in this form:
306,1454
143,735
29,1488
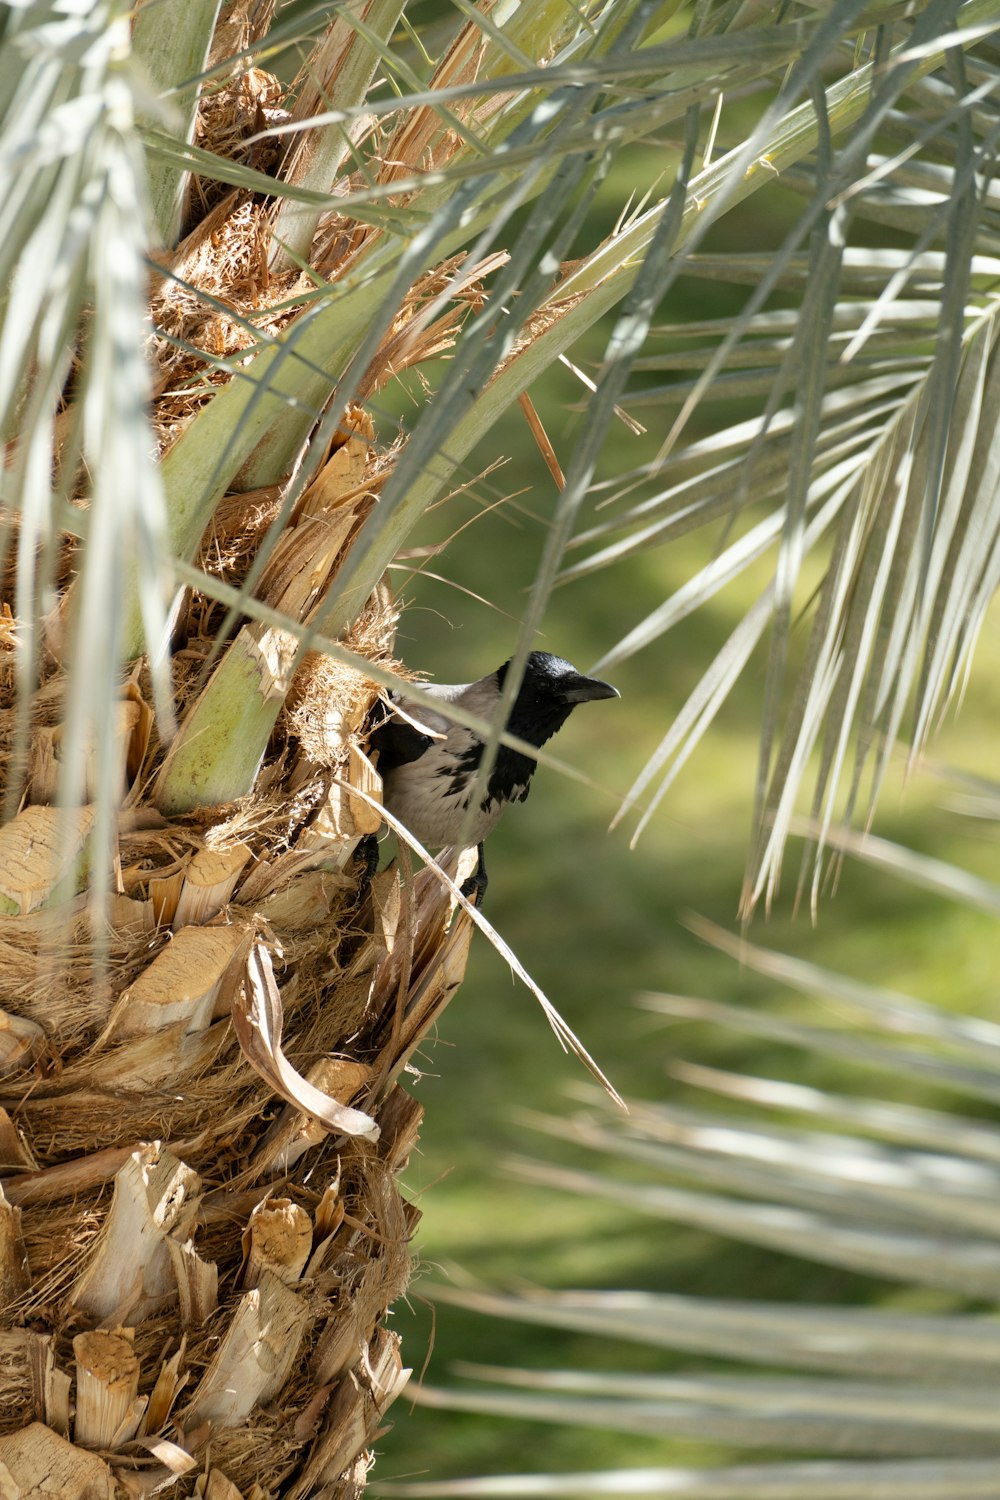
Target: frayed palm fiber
194,1266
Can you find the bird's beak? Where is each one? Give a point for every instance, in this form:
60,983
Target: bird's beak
580,689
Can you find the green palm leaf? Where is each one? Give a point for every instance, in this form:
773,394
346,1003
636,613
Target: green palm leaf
898,1401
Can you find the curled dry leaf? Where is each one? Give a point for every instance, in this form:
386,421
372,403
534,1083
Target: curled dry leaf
22,1042
257,1018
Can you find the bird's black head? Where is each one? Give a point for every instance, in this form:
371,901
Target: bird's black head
550,690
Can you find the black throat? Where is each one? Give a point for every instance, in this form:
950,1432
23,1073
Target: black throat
538,713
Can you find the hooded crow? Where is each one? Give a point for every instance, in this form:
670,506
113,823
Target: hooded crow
427,781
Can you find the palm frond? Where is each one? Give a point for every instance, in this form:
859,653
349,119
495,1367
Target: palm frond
872,454
73,265
957,1479
892,1396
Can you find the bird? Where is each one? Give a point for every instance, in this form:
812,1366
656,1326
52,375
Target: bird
428,777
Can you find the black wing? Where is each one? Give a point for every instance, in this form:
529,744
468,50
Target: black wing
396,741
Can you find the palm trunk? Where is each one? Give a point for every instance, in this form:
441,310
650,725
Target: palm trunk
194,1268
201,1227
208,994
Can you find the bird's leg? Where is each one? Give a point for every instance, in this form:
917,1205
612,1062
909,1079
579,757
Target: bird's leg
474,889
366,856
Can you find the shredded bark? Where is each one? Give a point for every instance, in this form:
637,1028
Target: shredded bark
145,1116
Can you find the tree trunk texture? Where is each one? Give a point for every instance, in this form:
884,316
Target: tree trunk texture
205,1004
201,1226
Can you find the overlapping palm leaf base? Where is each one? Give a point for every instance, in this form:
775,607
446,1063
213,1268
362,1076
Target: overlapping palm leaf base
201,1226
224,1258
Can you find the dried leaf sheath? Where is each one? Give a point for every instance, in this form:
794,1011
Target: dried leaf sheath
201,1228
235,1254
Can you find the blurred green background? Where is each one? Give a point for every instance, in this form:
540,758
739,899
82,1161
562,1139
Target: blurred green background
596,922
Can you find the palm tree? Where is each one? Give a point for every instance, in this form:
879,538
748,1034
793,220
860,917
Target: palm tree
210,274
